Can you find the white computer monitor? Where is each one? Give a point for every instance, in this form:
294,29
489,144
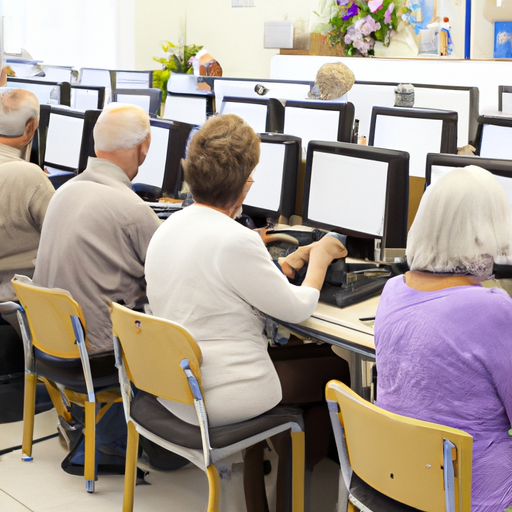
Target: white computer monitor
319,120
417,131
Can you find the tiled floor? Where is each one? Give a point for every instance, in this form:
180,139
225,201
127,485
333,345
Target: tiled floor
42,486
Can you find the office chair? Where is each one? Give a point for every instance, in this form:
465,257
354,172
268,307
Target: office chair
162,359
148,99
393,463
55,342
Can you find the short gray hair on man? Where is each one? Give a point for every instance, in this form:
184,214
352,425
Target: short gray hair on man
120,126
17,106
462,226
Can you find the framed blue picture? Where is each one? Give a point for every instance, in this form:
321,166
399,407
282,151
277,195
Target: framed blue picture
503,39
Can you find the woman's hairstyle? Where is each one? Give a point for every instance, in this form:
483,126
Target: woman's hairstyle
17,106
220,159
463,224
120,126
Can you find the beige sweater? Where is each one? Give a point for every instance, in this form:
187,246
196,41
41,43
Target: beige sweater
93,244
25,192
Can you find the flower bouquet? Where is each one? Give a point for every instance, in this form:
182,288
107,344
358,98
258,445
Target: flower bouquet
358,24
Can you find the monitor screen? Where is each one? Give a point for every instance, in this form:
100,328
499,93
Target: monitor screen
494,137
275,177
64,139
315,120
152,171
252,111
440,164
162,166
48,93
359,191
186,109
133,79
417,131
87,97
140,100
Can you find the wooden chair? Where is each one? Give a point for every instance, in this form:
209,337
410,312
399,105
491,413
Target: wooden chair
394,463
53,331
162,359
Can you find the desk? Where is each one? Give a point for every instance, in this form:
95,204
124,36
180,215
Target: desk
351,338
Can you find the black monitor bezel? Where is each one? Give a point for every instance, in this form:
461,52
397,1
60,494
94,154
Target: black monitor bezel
100,90
178,136
497,166
492,120
346,110
64,87
66,113
396,216
274,120
292,158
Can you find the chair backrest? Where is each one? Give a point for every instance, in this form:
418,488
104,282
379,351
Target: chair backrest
49,313
402,457
152,350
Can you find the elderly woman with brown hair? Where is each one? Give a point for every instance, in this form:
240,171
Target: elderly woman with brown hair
216,277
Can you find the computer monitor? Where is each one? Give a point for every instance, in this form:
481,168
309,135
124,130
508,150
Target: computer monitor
440,164
66,139
48,93
275,178
87,97
494,136
162,167
319,120
186,108
261,114
505,98
417,131
251,88
150,99
131,79
361,192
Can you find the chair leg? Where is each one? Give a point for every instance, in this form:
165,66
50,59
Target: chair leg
29,409
351,507
130,472
57,401
90,446
213,488
298,461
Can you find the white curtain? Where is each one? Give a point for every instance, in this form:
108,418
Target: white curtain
79,33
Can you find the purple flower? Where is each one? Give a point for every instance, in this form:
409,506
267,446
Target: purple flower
367,25
375,5
388,13
353,10
342,2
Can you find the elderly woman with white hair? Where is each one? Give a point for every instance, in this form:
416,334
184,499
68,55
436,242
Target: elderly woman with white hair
443,342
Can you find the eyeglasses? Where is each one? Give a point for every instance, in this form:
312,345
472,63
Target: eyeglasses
250,180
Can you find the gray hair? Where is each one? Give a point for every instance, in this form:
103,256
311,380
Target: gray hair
462,226
17,106
120,126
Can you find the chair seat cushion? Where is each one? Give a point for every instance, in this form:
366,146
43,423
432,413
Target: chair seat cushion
375,500
153,416
69,373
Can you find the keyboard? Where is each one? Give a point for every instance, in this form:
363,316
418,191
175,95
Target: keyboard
164,210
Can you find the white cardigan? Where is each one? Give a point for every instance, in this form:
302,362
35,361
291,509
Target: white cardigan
213,276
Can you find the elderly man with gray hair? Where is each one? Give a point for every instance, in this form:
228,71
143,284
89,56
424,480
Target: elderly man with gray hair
25,190
97,229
